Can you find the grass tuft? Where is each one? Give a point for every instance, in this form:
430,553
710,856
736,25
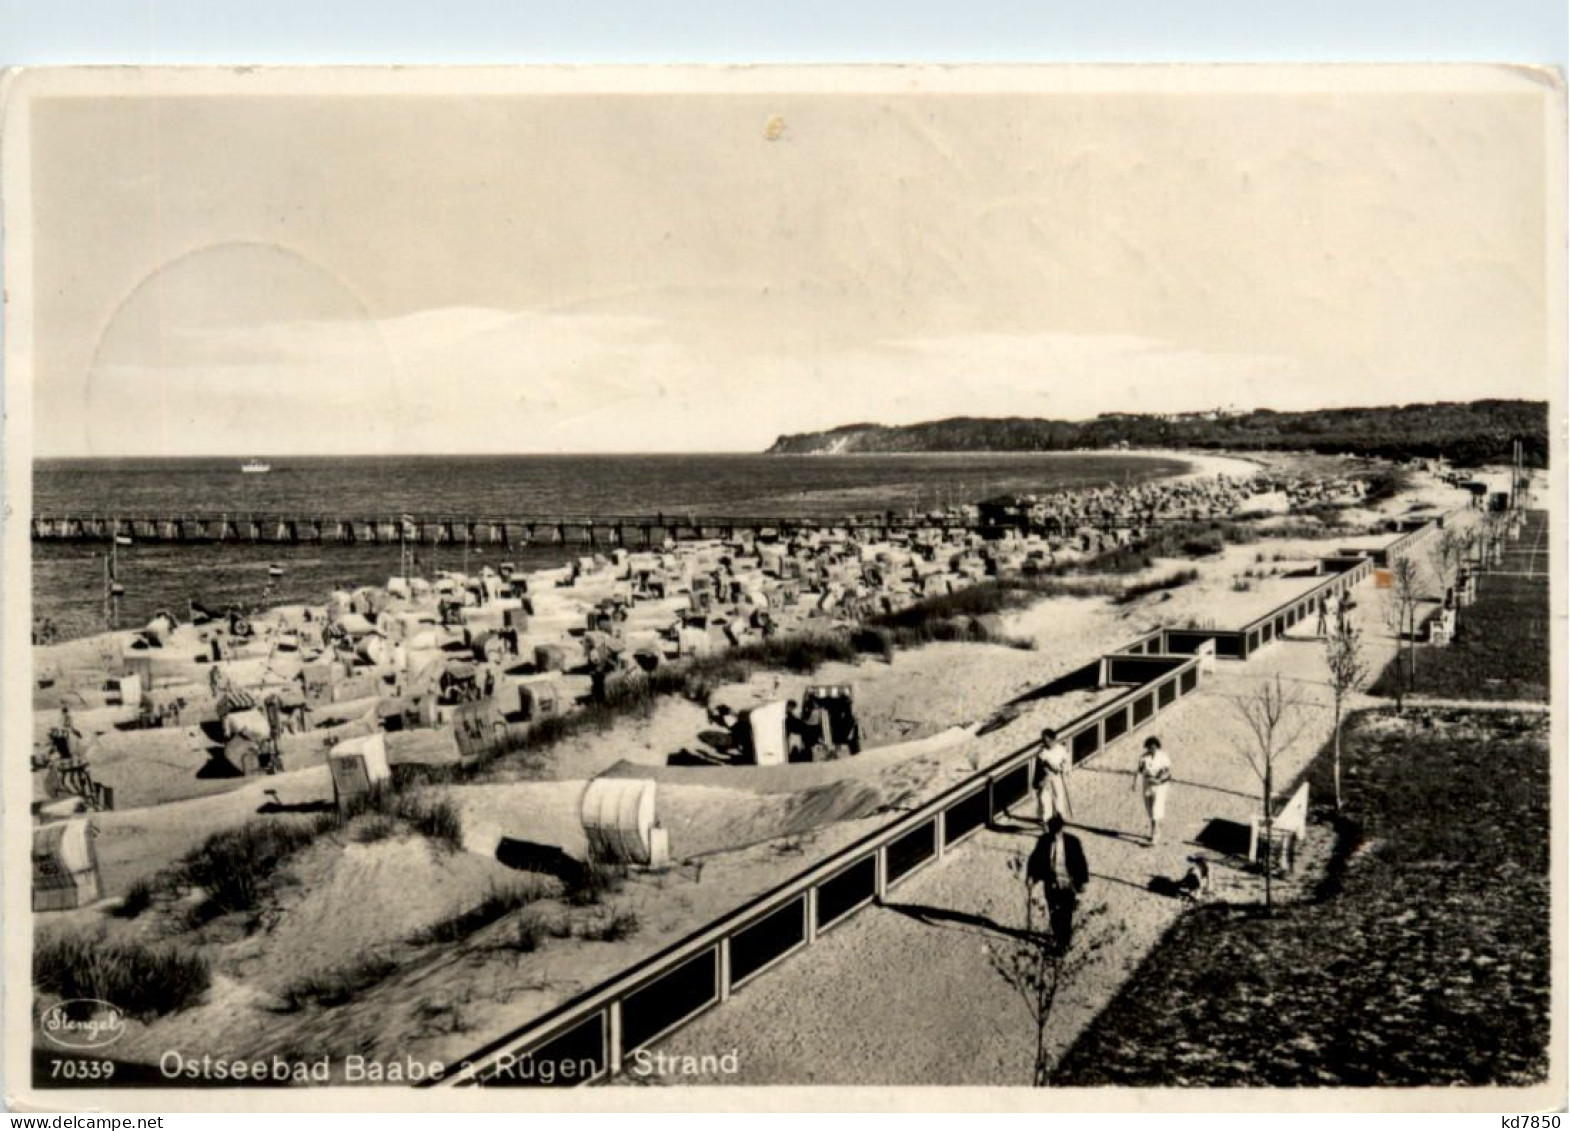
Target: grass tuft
594,881
235,867
1157,585
137,899
620,924
142,981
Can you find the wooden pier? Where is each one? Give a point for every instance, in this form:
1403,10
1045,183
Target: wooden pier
440,530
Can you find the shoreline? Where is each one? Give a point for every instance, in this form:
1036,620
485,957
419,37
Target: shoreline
240,584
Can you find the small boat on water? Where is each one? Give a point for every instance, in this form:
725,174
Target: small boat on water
122,540
275,570
255,467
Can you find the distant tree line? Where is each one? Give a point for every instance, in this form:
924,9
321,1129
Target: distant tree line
1466,434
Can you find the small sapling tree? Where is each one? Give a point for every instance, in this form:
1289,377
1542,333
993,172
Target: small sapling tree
1273,716
1348,669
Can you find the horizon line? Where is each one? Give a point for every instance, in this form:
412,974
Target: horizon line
1110,451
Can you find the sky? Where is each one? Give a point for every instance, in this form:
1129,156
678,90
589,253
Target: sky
725,31
543,272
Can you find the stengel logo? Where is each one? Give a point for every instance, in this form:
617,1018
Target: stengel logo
82,1023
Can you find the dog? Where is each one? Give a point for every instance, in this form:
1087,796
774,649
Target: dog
1196,881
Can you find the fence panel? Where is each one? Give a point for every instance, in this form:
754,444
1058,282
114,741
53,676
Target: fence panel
907,853
965,816
1144,708
762,943
838,897
1010,788
671,998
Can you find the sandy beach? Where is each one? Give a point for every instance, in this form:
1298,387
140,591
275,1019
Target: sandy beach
733,832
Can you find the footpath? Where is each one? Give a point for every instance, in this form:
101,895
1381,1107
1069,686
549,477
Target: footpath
907,993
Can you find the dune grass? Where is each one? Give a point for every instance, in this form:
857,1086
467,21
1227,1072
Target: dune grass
235,868
142,981
1175,580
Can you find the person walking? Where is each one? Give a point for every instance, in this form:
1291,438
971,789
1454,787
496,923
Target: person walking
1051,779
1058,864
1153,777
1324,617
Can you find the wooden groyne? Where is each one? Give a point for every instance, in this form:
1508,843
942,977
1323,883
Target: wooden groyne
434,530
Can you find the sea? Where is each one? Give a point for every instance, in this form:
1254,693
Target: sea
68,578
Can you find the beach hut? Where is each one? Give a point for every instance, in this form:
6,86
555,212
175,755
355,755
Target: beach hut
358,766
458,681
619,819
478,728
550,658
692,641
249,724
354,626
317,679
371,648
140,666
832,706
65,866
405,626
766,733
369,602
427,748
489,647
287,708
541,699
130,688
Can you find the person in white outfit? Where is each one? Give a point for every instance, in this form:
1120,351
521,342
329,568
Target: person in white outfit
1052,769
1153,777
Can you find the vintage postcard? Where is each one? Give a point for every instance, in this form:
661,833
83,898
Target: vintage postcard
624,588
